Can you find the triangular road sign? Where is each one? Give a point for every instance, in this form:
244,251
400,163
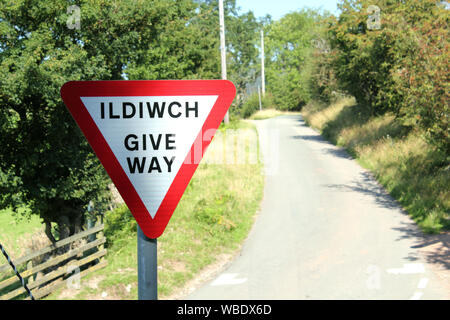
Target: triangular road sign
150,136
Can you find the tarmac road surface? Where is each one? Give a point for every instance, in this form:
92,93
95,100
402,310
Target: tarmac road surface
326,230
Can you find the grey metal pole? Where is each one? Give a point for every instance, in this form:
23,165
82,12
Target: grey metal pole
147,267
223,55
263,76
259,97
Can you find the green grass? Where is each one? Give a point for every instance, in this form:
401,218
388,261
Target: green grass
213,218
17,230
20,233
412,171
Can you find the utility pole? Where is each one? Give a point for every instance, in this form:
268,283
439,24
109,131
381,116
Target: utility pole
222,49
263,81
259,98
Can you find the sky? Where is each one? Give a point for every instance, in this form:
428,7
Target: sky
278,8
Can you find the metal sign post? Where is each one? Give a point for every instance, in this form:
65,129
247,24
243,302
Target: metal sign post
147,267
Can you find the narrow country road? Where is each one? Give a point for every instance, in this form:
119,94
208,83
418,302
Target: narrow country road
326,230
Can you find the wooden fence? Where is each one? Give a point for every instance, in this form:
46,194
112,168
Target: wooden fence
52,270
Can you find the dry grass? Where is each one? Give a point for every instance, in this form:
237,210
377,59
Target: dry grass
318,115
269,113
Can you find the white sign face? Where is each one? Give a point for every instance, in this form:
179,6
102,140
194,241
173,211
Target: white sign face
150,137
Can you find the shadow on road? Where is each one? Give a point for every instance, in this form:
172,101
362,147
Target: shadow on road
332,149
341,153
317,138
367,185
434,247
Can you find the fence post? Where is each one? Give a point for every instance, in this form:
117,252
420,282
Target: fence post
29,267
100,235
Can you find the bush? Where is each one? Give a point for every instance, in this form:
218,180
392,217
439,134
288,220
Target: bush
423,80
400,67
215,214
289,64
251,104
119,224
324,84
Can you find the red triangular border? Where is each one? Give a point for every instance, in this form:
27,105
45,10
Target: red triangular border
71,93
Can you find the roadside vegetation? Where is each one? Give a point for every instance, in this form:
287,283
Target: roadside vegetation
19,234
392,58
259,107
46,163
211,221
270,113
374,79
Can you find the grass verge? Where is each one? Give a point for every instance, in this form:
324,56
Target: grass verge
412,171
18,232
213,218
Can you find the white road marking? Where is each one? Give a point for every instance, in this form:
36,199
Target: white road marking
417,296
412,268
422,283
228,279
409,268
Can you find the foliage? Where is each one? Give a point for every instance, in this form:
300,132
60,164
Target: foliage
119,224
251,104
243,40
45,161
324,82
423,79
212,219
183,46
399,66
290,44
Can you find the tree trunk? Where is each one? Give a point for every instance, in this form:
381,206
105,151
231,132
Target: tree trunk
48,232
63,227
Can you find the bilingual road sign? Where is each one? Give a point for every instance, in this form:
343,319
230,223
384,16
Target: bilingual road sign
150,136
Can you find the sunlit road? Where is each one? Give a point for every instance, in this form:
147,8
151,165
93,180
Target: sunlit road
326,230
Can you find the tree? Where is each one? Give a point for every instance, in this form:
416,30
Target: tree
242,39
242,42
289,52
45,162
185,47
401,66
